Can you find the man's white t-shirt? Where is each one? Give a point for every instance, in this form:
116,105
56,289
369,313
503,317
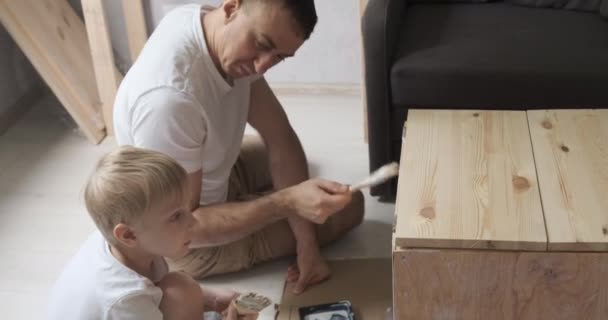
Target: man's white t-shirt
174,100
96,286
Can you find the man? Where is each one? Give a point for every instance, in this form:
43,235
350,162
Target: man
196,84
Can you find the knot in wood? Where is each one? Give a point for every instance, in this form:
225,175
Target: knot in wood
428,212
520,183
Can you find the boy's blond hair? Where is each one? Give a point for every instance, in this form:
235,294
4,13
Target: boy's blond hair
129,181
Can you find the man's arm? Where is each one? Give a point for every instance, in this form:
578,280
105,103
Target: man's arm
227,222
288,167
287,159
288,164
169,121
298,199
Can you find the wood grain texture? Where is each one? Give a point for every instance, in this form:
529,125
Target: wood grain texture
480,284
135,20
467,180
53,38
571,152
107,78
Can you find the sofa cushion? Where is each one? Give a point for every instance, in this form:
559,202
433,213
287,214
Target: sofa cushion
496,55
455,1
582,5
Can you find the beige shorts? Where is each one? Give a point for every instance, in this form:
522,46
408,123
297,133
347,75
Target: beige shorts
250,178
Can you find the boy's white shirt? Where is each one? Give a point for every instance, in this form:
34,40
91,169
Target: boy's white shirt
96,286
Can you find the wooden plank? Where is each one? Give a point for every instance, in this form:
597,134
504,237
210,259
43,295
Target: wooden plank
137,34
467,180
107,78
480,285
571,152
53,38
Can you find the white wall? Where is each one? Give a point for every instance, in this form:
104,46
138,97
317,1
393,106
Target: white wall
331,57
332,54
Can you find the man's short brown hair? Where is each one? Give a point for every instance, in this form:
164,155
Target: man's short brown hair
302,11
129,181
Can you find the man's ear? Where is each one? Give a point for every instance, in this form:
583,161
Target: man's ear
231,7
125,235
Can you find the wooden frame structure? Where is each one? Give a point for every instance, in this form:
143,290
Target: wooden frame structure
76,61
502,215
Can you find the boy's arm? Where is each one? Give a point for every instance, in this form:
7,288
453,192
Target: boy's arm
218,300
135,307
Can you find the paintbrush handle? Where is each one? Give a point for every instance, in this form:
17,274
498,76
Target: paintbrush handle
377,177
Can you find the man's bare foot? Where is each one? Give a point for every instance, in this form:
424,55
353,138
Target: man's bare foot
311,268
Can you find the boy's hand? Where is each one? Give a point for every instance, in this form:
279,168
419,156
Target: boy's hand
231,314
219,299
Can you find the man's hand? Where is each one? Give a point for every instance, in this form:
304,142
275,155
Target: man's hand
317,199
310,269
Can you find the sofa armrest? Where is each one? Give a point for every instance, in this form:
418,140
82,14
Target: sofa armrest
380,25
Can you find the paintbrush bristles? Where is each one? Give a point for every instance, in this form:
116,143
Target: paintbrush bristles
379,176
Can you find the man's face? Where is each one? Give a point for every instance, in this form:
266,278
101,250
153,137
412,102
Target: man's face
256,38
166,230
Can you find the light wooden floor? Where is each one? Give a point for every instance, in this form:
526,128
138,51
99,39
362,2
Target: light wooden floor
44,162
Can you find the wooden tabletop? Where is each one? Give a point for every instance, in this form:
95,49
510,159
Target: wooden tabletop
470,179
467,180
571,152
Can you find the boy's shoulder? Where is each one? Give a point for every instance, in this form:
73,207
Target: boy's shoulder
94,283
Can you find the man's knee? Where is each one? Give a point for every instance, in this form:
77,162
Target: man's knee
251,172
343,221
231,257
356,209
182,297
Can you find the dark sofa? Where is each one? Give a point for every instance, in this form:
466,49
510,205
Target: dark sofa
482,55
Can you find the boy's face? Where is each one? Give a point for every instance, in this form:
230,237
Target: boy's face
166,230
257,38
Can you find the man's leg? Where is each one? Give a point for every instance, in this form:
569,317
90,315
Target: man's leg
251,173
277,240
251,178
182,297
274,241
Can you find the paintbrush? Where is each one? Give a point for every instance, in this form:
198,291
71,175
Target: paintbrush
379,176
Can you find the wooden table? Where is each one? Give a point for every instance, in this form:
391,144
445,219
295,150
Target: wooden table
502,215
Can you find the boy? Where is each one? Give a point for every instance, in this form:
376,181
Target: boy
138,200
